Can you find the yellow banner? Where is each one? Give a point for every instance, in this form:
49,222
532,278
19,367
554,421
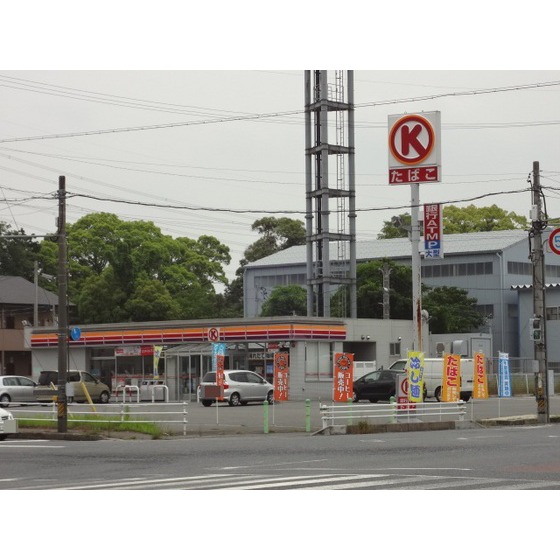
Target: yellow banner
480,389
157,354
415,372
451,389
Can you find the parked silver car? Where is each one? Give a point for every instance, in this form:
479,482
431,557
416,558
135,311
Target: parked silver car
240,387
8,424
16,389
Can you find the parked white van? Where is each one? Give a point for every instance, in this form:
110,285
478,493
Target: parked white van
433,376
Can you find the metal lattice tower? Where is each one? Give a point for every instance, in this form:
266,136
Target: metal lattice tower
331,245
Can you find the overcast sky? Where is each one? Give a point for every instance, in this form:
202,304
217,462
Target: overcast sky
191,137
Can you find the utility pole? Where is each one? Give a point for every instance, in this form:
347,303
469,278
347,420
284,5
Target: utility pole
538,225
386,271
62,411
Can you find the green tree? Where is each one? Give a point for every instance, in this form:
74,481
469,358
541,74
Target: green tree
17,254
285,300
369,291
276,234
460,220
131,271
451,310
473,218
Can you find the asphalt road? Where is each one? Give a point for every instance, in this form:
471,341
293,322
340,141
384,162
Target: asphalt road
513,458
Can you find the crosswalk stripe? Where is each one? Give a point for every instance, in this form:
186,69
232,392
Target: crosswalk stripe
326,481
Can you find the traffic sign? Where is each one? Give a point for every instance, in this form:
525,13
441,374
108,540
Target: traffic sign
554,241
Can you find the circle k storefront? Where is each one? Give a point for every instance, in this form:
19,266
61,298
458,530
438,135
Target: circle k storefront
179,353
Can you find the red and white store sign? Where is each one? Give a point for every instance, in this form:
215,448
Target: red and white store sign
414,148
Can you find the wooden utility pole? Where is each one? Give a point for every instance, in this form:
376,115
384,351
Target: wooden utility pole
538,321
62,410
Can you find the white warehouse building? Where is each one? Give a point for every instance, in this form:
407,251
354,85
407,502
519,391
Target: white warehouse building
486,264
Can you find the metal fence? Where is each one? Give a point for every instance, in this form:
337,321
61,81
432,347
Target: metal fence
117,413
391,413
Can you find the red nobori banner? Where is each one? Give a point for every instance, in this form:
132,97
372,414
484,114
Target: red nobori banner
343,377
220,377
281,376
480,388
451,378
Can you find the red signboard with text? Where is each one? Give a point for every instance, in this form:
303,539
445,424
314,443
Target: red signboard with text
343,377
220,377
281,376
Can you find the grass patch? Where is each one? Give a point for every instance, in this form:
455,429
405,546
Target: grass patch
97,425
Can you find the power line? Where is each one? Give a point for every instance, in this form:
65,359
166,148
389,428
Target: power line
262,116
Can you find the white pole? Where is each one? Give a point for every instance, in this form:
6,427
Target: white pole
416,272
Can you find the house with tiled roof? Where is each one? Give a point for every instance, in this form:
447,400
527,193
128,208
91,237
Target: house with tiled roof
20,301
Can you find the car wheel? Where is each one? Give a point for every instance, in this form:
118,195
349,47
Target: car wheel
104,397
5,401
437,394
234,400
355,397
206,402
373,400
270,397
3,437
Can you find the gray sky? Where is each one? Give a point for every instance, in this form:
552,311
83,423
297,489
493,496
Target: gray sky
209,152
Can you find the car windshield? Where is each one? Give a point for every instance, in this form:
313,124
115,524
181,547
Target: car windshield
210,377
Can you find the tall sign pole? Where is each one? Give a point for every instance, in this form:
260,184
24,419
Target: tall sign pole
62,408
538,224
414,158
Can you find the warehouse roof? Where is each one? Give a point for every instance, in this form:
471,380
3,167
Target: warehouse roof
399,248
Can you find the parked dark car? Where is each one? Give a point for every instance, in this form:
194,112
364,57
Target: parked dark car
379,385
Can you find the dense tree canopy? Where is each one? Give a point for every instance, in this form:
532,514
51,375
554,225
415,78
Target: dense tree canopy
276,234
460,220
17,254
285,300
450,309
130,271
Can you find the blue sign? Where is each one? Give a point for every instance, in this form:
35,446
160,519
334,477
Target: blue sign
218,348
75,333
504,376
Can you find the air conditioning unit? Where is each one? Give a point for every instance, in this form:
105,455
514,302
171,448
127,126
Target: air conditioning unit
440,349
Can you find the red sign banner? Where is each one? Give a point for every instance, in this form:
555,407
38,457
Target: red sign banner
220,377
281,376
343,377
480,387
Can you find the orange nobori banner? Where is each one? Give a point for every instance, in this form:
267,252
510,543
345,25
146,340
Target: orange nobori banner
480,389
451,378
281,376
343,377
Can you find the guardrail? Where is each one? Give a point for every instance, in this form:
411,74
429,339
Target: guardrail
118,413
391,412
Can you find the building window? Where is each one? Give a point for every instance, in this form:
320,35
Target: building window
552,313
395,348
